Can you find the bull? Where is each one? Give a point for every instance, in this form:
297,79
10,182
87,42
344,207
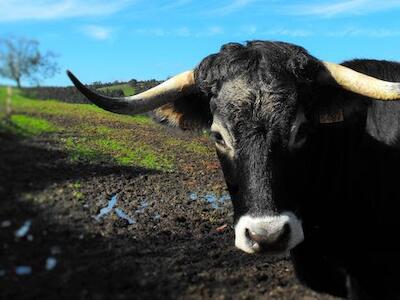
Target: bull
310,155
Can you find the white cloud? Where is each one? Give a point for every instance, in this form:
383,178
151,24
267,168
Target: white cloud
159,32
342,7
335,33
248,30
176,4
211,31
365,32
97,32
180,32
183,32
20,10
231,7
288,32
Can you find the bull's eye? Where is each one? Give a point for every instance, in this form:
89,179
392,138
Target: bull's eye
217,138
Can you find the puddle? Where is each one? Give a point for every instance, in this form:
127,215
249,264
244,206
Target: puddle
225,197
24,229
212,198
142,206
120,213
51,263
106,210
23,270
193,196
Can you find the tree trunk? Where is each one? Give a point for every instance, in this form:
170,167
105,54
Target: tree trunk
18,81
8,102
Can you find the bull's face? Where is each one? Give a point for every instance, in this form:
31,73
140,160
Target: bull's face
253,143
257,125
256,101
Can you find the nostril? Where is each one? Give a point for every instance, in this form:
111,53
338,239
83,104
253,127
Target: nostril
285,233
258,238
273,241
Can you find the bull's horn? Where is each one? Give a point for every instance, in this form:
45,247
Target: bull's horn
168,91
360,83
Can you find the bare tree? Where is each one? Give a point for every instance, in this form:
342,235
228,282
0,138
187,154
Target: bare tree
21,58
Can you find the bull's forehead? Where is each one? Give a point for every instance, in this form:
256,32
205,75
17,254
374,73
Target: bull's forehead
246,100
237,91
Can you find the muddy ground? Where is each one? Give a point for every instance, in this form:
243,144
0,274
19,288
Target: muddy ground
170,248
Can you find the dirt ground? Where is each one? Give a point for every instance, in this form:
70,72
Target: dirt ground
52,246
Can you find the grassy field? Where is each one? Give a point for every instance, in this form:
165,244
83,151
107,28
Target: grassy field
88,133
126,88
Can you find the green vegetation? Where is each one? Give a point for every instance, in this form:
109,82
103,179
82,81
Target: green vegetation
196,147
24,125
126,88
79,151
3,92
25,105
91,135
75,187
191,146
97,148
103,130
32,125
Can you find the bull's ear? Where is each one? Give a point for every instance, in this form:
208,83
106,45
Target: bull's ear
191,112
299,130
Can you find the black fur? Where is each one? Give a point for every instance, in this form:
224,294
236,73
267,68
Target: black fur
343,182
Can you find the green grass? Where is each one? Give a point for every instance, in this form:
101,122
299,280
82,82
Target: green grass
23,125
57,108
104,130
92,135
136,153
79,151
126,88
191,146
196,147
76,193
142,119
32,125
3,93
146,157
96,149
108,145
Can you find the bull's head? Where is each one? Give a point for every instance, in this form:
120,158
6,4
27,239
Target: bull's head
258,100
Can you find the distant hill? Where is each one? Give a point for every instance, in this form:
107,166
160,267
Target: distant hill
127,89
70,94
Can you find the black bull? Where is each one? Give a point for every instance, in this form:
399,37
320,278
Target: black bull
293,147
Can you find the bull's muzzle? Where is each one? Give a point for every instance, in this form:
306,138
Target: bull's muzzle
274,235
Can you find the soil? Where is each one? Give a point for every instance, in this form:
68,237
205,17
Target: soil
174,246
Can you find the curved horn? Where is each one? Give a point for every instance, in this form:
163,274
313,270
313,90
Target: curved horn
168,91
362,84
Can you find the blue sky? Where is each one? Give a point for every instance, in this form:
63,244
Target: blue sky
104,40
